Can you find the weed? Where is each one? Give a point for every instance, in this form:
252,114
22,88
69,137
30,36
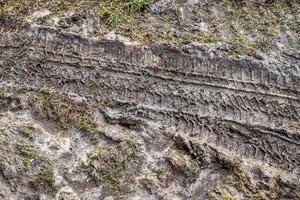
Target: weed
132,142
160,169
23,41
183,163
237,50
211,196
260,43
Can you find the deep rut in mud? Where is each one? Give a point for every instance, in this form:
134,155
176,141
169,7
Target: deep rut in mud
240,105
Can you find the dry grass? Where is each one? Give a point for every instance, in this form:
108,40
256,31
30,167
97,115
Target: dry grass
111,166
64,111
245,26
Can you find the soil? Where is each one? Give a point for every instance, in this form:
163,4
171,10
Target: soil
111,117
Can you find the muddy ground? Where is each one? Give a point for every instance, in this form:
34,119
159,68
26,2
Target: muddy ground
170,100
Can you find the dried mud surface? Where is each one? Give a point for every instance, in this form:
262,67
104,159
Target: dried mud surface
149,100
155,122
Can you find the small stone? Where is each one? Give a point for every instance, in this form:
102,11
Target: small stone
110,36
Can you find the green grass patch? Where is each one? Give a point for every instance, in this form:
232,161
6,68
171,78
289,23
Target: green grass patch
117,12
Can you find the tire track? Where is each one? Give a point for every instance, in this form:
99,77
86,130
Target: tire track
237,104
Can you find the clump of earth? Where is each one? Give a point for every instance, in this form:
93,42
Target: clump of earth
137,99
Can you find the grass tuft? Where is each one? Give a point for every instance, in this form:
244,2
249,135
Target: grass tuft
46,177
28,152
118,12
136,5
111,165
63,110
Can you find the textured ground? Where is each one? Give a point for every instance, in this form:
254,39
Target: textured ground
85,117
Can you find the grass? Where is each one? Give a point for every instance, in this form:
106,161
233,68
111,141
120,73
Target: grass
63,110
256,25
112,180
111,165
207,37
132,6
233,178
118,12
46,177
85,122
28,152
